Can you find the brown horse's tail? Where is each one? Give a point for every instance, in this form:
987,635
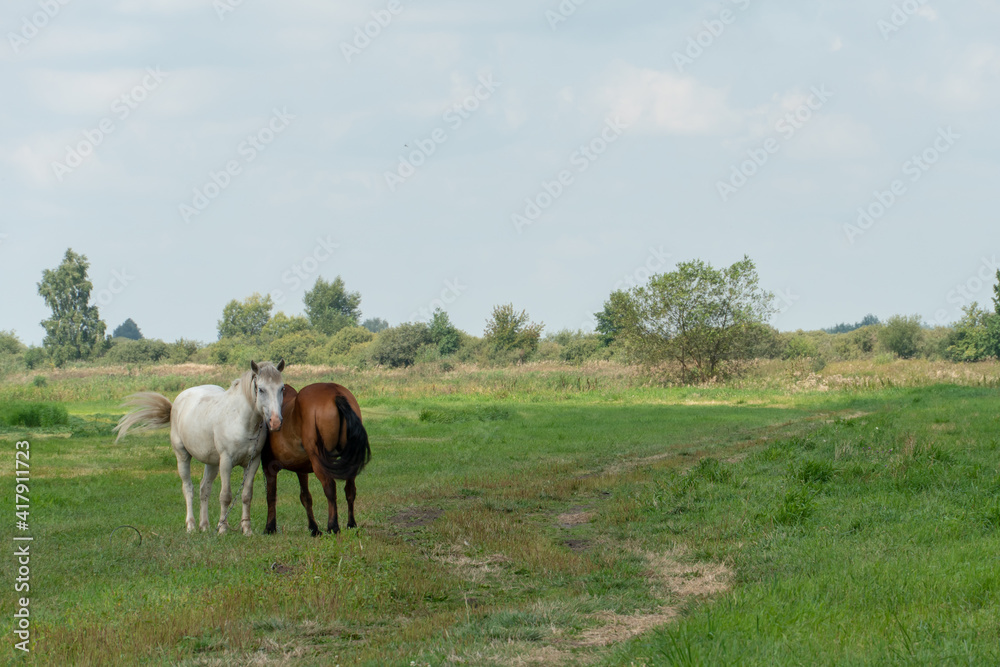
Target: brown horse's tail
151,411
355,452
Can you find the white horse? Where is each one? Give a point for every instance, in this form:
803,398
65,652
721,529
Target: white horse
219,427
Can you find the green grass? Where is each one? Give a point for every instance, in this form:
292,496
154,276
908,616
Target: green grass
518,517
871,541
15,414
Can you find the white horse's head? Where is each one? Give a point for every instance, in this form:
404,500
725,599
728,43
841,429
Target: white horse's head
268,392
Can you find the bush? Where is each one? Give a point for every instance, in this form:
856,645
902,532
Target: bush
973,337
145,351
34,357
901,336
470,348
181,351
768,344
295,348
230,352
799,346
398,346
348,338
582,349
10,343
858,343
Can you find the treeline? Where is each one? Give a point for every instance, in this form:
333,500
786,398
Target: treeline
691,325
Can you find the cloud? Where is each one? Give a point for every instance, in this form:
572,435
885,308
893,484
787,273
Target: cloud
663,102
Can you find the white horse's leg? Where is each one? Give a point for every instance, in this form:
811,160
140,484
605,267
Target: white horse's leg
206,491
184,470
251,472
226,496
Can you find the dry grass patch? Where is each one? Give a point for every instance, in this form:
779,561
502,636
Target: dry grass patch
575,518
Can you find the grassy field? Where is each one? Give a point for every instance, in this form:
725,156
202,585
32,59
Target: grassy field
542,515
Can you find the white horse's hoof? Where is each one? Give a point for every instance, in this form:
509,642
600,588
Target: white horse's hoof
203,527
223,529
190,527
247,531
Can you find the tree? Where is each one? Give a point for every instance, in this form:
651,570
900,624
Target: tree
996,295
901,335
867,321
330,307
611,319
375,324
75,330
127,329
508,331
701,319
247,318
281,325
970,338
443,333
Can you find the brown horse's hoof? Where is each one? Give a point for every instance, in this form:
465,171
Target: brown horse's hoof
271,528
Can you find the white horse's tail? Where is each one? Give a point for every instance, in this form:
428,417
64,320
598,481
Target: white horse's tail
151,411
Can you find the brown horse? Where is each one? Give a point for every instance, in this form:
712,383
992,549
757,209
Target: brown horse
322,433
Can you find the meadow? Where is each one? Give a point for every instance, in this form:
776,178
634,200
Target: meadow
542,514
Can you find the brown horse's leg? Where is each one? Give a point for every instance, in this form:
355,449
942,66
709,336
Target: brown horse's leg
271,482
330,489
350,491
312,444
307,502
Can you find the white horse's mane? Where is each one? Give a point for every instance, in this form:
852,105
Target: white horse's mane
266,371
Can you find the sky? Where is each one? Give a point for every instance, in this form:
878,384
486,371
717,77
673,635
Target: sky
468,154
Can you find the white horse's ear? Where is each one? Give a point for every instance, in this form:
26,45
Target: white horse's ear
281,365
253,366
